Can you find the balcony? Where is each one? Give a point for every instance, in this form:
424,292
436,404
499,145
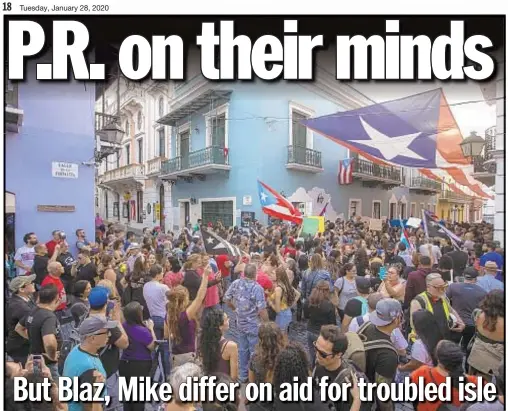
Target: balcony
154,166
129,175
372,174
197,164
451,196
13,113
424,185
304,159
484,166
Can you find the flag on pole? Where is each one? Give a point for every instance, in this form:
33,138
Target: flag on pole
345,171
215,245
404,236
433,228
323,211
276,206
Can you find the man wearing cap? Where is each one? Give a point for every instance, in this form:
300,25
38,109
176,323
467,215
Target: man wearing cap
488,280
134,252
492,255
20,305
435,301
398,340
465,298
382,362
358,305
118,340
83,361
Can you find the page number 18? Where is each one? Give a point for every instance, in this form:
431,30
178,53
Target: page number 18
7,6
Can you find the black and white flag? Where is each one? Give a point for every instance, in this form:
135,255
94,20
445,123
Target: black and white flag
215,245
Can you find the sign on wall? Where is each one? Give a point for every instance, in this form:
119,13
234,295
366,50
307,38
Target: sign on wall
247,200
64,170
56,208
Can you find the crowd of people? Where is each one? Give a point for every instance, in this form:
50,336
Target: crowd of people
160,305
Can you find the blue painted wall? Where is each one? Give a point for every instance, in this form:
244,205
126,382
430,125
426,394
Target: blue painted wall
58,125
258,150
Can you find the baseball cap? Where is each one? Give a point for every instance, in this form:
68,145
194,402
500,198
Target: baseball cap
133,246
387,310
362,283
470,273
98,297
20,282
92,325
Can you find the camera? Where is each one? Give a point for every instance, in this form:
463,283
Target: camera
37,362
62,235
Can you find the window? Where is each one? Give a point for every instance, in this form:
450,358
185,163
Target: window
355,208
403,207
140,151
413,210
299,131
106,204
140,120
139,196
118,159
217,126
106,162
392,214
127,154
376,209
162,143
422,207
161,107
212,211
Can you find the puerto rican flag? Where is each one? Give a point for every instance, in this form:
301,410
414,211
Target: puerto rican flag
346,171
276,206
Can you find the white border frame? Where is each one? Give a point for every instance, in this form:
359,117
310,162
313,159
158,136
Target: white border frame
306,111
380,207
223,109
359,201
215,199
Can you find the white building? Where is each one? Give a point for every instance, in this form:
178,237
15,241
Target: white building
129,190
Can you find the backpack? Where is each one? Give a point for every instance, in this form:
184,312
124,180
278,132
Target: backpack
342,378
70,336
358,346
365,305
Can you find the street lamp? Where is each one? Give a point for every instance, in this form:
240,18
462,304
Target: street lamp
472,146
113,132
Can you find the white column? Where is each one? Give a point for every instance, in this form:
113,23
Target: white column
499,232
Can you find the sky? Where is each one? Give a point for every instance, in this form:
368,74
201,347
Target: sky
470,117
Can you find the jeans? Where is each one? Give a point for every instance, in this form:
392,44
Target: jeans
158,328
283,319
113,392
247,343
311,339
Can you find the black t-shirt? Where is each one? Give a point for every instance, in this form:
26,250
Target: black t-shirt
66,259
110,355
87,272
382,361
324,314
319,373
40,268
41,322
17,309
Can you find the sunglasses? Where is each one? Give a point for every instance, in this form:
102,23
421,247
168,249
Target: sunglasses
440,287
322,353
105,332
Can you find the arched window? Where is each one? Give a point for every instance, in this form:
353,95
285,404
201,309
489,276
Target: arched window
161,107
140,120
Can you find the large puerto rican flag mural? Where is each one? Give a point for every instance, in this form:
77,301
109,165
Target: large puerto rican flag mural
417,131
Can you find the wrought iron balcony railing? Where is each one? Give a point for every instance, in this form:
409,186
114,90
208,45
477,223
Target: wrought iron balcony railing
368,168
304,156
423,183
213,155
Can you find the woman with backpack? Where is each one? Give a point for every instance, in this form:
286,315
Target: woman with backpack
357,306
135,283
346,287
283,298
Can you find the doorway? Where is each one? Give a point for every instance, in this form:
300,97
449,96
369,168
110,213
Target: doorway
161,202
184,149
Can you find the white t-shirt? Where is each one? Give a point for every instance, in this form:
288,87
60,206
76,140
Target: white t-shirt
419,352
348,291
155,297
398,340
26,256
